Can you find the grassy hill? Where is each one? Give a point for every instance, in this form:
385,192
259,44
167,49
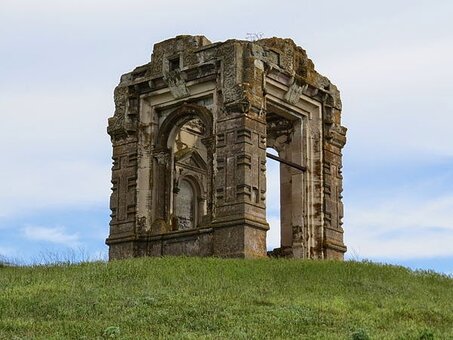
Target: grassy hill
192,298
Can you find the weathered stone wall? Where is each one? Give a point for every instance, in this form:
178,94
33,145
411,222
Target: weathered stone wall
248,96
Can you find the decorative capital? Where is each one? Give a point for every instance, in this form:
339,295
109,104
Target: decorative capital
163,158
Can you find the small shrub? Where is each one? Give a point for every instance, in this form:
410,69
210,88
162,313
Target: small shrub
360,334
111,332
426,335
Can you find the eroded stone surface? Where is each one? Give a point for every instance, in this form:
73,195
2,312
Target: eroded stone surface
189,135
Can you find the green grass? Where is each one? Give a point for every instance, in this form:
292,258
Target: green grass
192,298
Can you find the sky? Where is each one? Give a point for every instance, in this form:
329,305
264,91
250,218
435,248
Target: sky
391,60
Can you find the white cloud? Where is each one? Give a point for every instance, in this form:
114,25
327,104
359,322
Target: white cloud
56,235
397,100
402,228
38,185
410,68
64,120
57,149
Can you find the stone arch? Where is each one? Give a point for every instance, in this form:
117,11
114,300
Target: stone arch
179,117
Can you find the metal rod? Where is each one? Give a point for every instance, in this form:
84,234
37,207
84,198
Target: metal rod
291,164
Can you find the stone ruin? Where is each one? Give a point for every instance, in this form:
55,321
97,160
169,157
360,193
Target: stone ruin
189,135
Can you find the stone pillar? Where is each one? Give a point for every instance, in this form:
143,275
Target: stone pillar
286,230
209,142
240,221
162,194
298,194
335,139
123,200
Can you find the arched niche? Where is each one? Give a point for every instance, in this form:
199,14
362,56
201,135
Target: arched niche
189,205
183,178
189,156
179,117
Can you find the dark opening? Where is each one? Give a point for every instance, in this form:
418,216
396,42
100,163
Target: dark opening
173,64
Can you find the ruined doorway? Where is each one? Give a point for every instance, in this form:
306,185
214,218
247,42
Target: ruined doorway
285,139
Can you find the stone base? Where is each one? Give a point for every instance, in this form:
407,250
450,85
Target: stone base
334,247
196,242
243,240
123,250
333,251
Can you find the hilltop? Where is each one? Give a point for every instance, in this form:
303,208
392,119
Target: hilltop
229,299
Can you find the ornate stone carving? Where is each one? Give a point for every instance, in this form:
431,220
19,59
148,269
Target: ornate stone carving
294,92
336,134
176,84
163,158
121,125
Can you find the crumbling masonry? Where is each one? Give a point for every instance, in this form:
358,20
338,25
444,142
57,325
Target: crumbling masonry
189,134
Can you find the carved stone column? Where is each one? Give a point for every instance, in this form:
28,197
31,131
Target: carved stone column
335,139
209,142
162,191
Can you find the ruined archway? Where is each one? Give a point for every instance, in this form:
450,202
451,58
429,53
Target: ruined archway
189,136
